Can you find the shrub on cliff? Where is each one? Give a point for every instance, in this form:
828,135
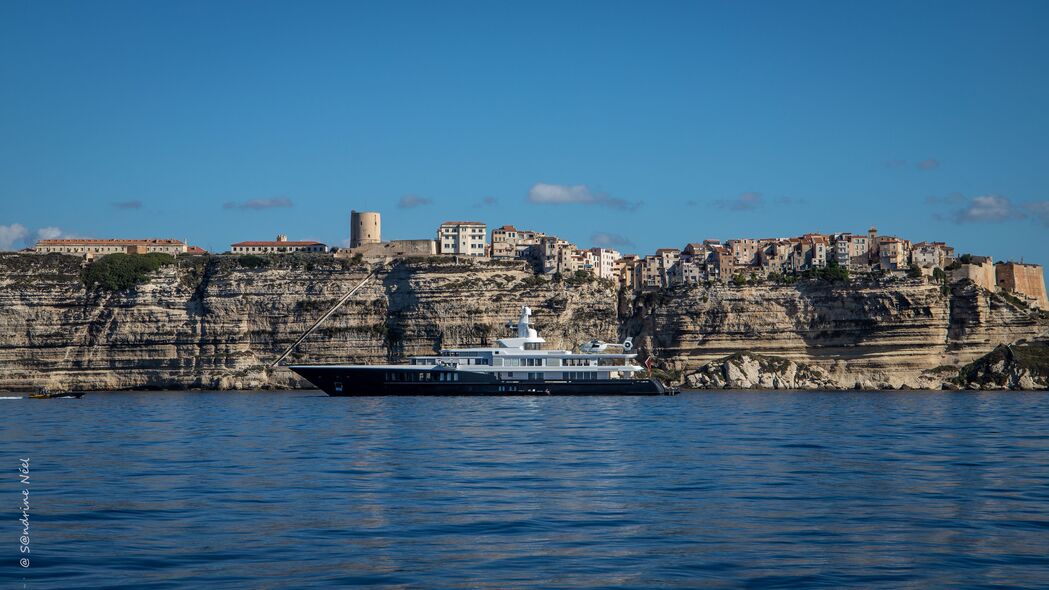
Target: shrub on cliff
833,272
118,272
252,261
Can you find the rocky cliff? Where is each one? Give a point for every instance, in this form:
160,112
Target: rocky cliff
211,322
873,335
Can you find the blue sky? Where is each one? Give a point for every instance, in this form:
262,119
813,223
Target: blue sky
639,125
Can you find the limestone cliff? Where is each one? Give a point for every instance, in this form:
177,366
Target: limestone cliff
884,334
210,322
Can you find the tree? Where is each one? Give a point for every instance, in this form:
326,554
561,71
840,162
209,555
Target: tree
118,272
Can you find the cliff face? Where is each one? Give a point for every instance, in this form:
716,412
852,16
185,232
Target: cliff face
867,335
211,323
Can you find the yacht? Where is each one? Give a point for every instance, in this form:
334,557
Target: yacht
518,365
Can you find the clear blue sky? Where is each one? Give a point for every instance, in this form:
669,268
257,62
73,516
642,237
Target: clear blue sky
654,122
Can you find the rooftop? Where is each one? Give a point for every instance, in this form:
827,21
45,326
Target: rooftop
109,242
277,243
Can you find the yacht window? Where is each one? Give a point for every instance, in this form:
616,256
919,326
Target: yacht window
553,362
515,362
498,362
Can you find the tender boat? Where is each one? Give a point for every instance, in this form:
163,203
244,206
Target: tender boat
517,366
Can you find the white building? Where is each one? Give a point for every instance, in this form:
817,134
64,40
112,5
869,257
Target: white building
462,237
91,247
278,246
605,262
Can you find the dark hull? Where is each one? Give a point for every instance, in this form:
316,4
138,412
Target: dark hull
355,381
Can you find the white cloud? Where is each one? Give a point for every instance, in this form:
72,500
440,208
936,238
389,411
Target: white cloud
744,202
259,204
980,209
608,240
563,194
412,201
1040,210
13,234
50,233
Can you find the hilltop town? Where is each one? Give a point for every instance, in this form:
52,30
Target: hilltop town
736,261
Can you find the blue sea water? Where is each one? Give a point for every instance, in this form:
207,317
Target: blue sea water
720,490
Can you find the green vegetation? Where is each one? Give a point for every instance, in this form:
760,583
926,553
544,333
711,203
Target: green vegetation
580,277
253,261
533,281
119,272
833,272
939,276
914,272
1015,300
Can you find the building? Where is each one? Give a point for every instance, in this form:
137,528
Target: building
508,242
279,246
1022,279
892,253
745,251
464,238
978,269
776,256
91,248
629,271
365,228
722,263
552,251
605,262
850,250
931,255
809,251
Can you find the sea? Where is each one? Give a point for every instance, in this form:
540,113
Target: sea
722,489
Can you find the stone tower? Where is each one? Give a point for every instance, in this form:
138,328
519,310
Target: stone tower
365,228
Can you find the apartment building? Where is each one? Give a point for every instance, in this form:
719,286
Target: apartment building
464,238
508,242
932,254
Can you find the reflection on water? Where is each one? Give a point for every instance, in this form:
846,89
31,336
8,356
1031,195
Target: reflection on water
272,490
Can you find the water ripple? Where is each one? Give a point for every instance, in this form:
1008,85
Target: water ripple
719,490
